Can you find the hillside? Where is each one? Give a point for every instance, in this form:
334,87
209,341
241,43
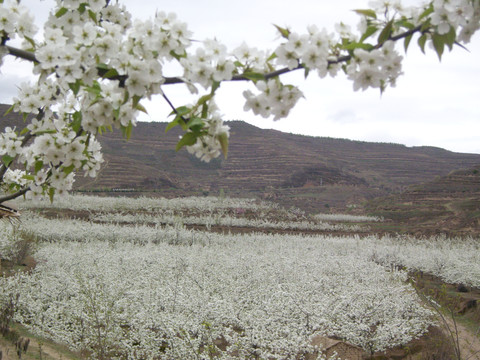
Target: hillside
308,172
312,173
446,205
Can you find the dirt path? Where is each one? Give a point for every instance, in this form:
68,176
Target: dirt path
35,351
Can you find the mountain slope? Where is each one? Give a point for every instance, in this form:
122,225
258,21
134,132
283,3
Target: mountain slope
261,158
309,172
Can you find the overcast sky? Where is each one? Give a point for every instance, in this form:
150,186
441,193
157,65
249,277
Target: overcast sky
434,104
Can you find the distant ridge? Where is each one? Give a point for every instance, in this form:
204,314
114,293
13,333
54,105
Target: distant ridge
313,173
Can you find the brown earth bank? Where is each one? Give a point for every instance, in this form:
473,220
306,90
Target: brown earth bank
361,229
20,344
432,346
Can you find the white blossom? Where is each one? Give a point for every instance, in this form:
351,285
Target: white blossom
262,293
274,99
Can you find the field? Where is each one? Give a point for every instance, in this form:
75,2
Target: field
221,278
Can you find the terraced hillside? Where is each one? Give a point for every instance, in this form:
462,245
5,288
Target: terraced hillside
309,172
261,158
448,204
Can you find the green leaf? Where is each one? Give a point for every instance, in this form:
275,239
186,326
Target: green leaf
10,109
13,187
195,122
75,87
111,73
203,100
307,71
182,122
178,56
369,32
425,26
426,12
82,8
180,111
127,130
253,76
438,44
204,110
136,100
38,166
187,140
61,12
95,89
450,38
141,108
7,160
215,86
30,40
405,24
28,177
51,193
366,12
171,125
284,32
407,42
67,170
116,113
77,121
126,97
223,139
421,42
24,131
271,57
92,16
356,45
46,132
197,129
103,66
386,32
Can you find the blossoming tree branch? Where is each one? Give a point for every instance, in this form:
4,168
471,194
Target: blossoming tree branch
94,65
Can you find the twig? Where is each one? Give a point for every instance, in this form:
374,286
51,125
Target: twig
22,54
30,56
452,333
14,195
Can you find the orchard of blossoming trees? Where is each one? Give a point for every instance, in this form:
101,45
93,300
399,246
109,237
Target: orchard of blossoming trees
130,281
94,65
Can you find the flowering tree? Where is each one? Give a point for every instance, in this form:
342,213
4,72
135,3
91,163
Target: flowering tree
94,66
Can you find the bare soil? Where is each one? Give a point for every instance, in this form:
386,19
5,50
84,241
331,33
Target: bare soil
469,343
36,351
